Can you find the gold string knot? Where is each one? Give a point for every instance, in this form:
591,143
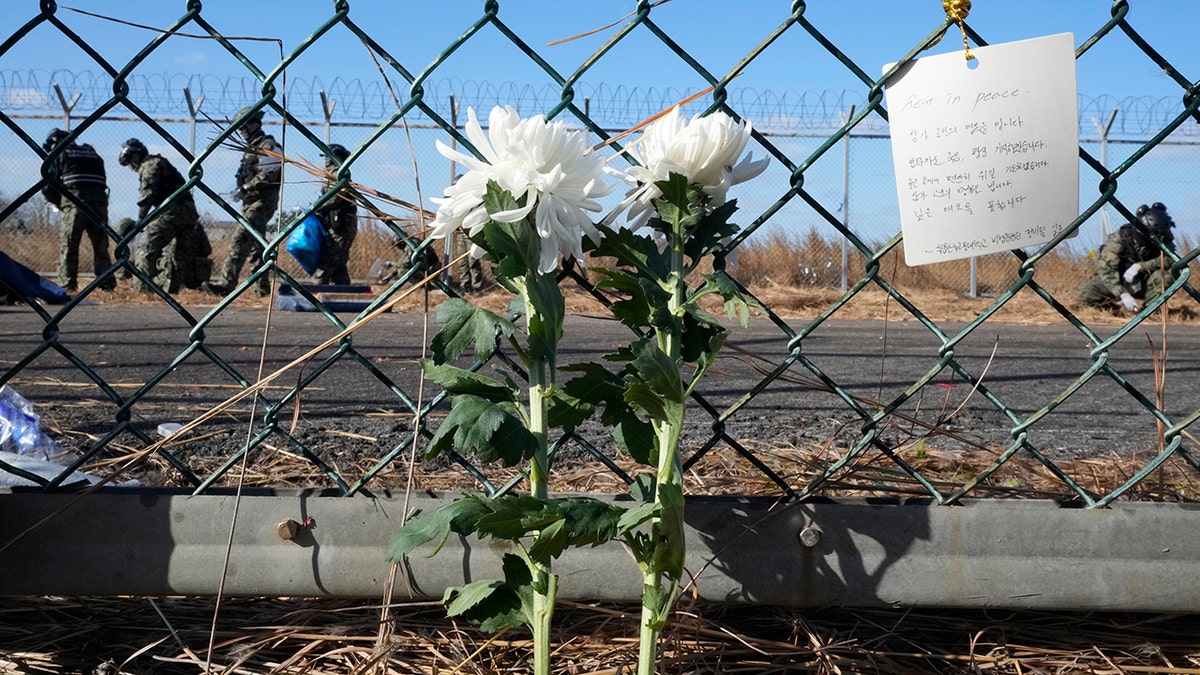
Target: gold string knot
958,11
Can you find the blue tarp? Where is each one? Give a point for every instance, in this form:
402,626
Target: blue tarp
288,300
22,283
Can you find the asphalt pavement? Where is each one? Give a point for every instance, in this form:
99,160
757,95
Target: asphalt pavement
1022,368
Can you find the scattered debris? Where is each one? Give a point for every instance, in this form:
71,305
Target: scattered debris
335,298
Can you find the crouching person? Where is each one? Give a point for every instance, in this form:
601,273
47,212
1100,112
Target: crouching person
172,227
1129,266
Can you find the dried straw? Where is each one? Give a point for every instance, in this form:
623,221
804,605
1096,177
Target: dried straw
295,635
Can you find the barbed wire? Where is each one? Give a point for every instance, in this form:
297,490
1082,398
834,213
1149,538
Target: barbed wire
32,91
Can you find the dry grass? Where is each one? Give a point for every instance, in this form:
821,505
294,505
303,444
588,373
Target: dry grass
791,303
288,635
795,275
722,471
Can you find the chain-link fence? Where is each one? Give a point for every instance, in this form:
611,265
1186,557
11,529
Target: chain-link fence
188,107
827,201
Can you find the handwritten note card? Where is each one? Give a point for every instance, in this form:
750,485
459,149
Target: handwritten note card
986,156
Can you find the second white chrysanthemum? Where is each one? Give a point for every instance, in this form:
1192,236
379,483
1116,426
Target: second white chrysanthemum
547,165
705,150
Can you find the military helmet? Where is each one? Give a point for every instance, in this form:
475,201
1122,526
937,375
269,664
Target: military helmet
1155,219
337,151
133,152
253,115
53,139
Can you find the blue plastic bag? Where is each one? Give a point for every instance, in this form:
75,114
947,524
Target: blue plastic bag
305,243
20,426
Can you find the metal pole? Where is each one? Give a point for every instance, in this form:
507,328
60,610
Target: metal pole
193,110
846,204
67,106
1105,225
974,292
327,106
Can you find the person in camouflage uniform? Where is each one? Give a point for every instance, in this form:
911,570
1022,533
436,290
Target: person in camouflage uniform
79,171
258,185
1129,266
172,227
339,216
470,269
201,268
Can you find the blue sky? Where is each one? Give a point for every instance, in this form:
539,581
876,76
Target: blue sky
717,33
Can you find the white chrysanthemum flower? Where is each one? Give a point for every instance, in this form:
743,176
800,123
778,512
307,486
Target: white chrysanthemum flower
547,164
704,150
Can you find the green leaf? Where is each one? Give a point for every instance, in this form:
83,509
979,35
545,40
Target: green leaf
512,246
588,521
701,341
515,247
497,199
657,370
567,412
579,397
519,579
633,250
670,495
495,605
664,320
458,517
636,438
515,306
515,516
652,597
645,400
490,431
598,388
463,598
652,381
546,321
457,381
634,517
643,487
670,553
465,325
494,612
737,302
680,207
643,297
702,334
416,532
550,542
710,229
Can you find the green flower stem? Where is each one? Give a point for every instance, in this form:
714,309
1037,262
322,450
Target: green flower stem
539,404
543,602
666,530
541,388
543,610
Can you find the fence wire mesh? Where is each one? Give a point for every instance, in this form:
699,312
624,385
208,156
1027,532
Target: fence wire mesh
838,415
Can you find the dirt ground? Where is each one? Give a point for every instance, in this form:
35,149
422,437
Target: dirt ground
350,416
